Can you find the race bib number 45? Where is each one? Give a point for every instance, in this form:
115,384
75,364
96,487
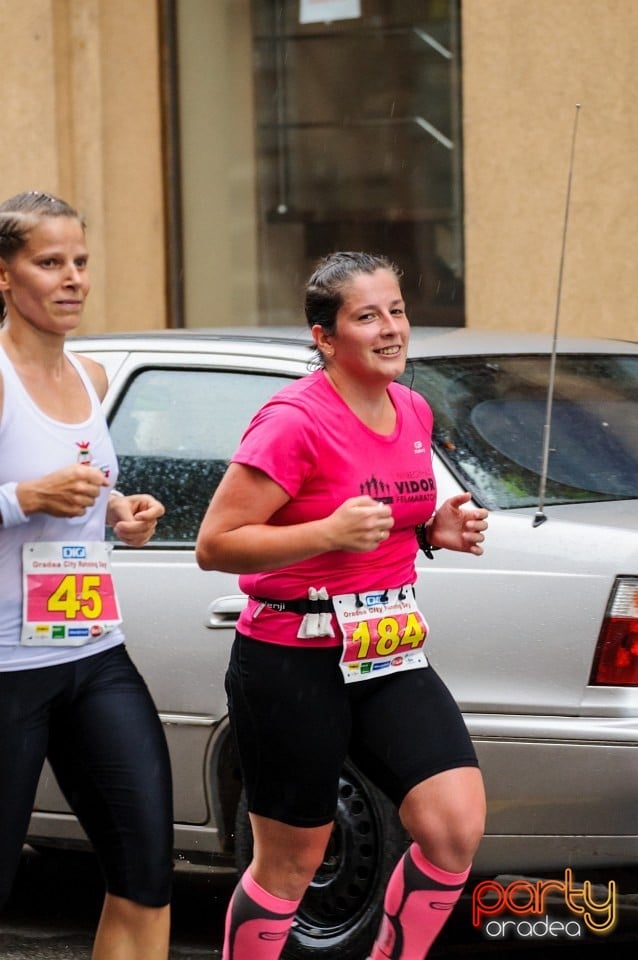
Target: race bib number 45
383,631
69,595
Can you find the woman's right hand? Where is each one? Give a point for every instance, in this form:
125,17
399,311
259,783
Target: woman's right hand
68,492
360,524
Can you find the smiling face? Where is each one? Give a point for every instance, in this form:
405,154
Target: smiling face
372,330
46,281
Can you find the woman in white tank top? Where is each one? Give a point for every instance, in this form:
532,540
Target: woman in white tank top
66,682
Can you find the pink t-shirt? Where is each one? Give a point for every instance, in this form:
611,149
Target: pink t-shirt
309,441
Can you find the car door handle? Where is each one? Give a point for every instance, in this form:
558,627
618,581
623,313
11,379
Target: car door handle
224,612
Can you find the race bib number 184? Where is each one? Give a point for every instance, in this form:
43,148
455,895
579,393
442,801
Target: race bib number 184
383,631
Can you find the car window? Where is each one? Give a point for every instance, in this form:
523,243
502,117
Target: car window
490,414
175,431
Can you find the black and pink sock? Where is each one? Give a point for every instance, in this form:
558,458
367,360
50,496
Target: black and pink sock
418,901
257,923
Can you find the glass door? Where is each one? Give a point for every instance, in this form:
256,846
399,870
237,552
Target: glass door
358,146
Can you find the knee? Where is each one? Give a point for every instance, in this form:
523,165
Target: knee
450,844
449,833
143,881
289,875
464,834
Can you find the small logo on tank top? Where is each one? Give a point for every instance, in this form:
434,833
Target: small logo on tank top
86,457
84,452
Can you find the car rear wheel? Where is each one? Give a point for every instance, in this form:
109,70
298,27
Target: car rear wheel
340,913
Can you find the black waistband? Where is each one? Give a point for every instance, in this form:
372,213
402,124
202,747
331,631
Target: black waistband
302,606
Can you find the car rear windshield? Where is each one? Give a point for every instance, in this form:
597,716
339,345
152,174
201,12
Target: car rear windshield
490,417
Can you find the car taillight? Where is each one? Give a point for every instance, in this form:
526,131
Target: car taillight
616,658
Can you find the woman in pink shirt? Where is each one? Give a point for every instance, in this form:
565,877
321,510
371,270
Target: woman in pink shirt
321,512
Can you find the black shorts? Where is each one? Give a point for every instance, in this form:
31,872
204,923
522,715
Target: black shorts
295,721
96,722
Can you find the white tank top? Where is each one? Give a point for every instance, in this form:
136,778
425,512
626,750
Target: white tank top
32,445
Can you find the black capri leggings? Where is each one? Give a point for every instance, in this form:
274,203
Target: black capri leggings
95,721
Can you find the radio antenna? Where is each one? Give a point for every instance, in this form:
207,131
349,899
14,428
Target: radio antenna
541,517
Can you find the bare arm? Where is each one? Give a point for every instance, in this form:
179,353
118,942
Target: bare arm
235,535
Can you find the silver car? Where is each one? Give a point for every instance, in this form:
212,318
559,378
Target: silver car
538,639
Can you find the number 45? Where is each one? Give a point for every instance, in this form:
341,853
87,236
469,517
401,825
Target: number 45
70,601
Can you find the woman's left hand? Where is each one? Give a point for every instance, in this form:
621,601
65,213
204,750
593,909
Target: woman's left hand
134,517
456,528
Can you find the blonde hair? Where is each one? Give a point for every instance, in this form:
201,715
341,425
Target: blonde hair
19,214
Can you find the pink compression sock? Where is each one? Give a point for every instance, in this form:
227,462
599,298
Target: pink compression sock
257,923
418,901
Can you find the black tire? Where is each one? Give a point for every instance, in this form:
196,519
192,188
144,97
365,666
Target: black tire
340,913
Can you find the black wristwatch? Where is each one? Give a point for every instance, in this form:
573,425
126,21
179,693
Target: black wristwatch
423,542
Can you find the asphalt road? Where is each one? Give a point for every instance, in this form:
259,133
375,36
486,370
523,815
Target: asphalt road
56,900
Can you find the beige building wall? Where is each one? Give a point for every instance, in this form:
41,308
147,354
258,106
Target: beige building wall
526,64
82,119
217,163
